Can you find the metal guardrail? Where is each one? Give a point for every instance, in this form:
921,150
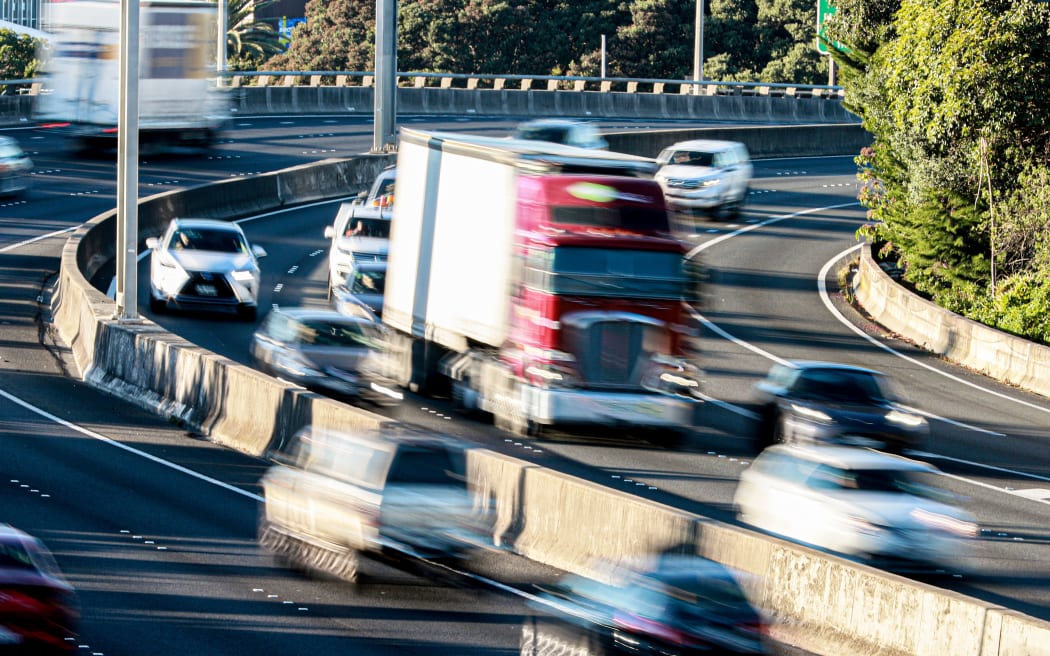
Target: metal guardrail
421,80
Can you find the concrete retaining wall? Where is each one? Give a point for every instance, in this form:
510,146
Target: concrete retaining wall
825,604
992,352
761,141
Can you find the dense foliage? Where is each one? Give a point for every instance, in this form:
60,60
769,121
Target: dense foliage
17,55
957,182
768,40
249,42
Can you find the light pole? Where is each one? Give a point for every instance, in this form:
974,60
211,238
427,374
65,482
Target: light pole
698,47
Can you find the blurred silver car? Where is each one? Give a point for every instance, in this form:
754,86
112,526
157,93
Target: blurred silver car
381,193
705,175
879,508
204,264
397,494
322,350
364,287
562,131
15,166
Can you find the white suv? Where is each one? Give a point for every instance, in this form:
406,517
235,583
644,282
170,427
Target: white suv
705,175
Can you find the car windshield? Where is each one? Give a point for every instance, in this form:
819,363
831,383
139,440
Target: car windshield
827,477
692,158
556,135
368,282
204,239
839,385
14,556
424,466
10,151
379,228
328,333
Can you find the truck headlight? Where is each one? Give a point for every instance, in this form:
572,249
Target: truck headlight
243,276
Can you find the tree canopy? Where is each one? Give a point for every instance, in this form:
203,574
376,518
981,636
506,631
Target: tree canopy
770,41
952,92
17,55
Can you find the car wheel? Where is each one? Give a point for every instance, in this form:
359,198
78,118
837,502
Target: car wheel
766,429
156,305
247,312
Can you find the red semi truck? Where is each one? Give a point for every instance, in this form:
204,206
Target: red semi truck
538,283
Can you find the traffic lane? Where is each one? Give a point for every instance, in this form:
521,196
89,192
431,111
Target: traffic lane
166,561
783,316
702,481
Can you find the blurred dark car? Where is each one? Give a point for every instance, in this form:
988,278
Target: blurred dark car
684,606
325,351
824,402
39,610
14,167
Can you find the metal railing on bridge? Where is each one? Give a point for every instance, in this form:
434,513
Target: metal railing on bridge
472,82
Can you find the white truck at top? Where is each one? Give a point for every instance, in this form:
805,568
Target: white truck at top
178,98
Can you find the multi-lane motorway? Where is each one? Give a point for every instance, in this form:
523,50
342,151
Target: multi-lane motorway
166,557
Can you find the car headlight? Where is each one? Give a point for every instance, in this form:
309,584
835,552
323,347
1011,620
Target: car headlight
243,276
946,523
710,182
857,524
810,413
905,419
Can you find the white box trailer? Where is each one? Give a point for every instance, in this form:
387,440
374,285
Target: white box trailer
449,271
178,96
536,282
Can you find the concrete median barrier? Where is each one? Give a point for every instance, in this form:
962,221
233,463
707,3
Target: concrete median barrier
821,603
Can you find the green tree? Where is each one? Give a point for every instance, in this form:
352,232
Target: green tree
17,55
655,40
338,35
249,42
958,180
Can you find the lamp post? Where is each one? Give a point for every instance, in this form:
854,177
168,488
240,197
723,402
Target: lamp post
698,47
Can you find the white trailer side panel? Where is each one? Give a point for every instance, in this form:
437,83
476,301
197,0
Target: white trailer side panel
452,244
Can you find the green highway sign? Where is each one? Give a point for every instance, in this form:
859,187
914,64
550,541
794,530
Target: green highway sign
824,10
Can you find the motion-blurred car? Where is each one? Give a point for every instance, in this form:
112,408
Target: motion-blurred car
705,175
824,402
364,287
15,166
686,605
204,264
39,611
323,350
881,509
359,234
562,131
397,494
381,193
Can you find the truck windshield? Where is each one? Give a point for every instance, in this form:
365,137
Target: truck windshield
643,219
607,272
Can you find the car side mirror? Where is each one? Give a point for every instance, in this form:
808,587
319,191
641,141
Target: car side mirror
329,232
152,242
258,251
